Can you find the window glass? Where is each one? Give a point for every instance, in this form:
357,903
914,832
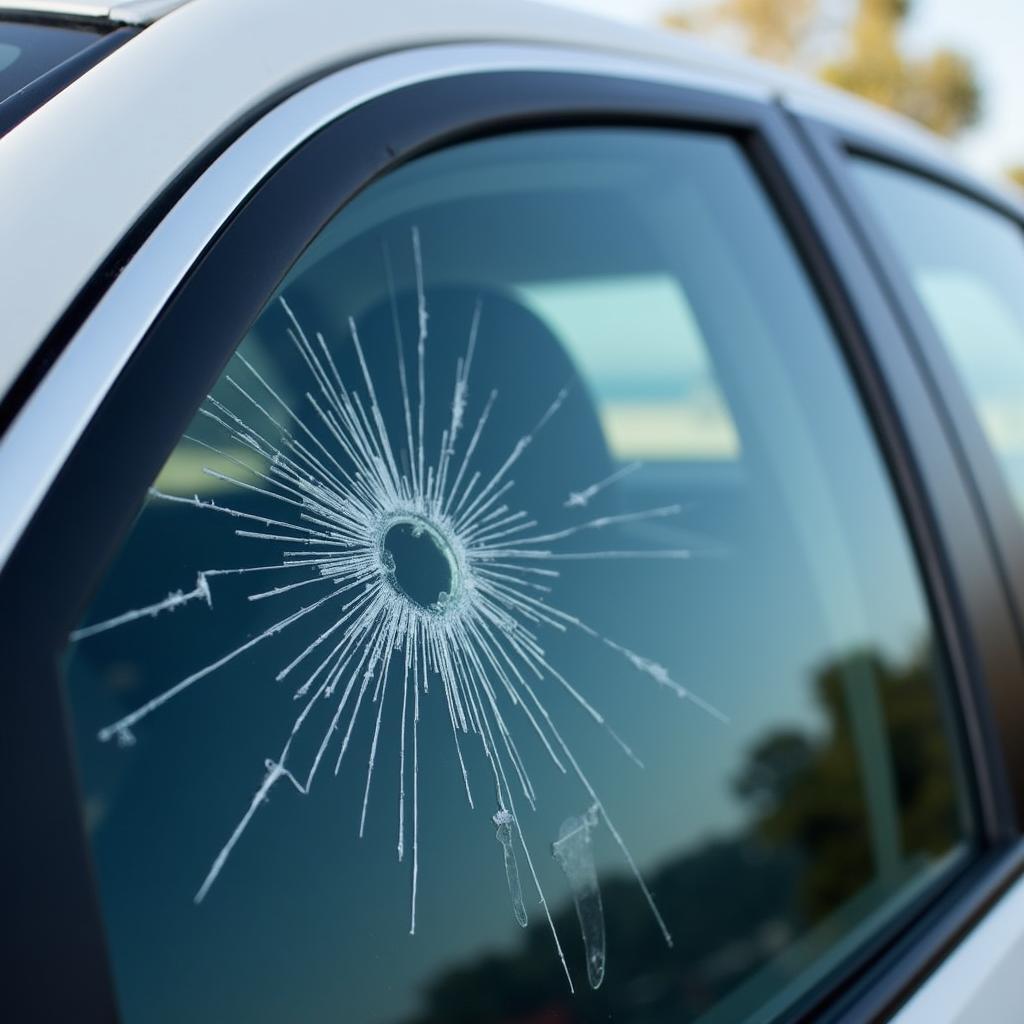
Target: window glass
9,53
28,50
966,263
524,629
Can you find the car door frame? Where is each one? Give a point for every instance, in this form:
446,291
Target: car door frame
369,119
833,147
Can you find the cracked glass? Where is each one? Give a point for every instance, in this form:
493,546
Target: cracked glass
525,627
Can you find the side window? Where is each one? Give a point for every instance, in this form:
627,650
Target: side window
28,51
966,264
524,628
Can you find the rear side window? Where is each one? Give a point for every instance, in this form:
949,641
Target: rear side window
966,264
524,628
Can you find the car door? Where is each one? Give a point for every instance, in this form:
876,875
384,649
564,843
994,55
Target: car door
490,556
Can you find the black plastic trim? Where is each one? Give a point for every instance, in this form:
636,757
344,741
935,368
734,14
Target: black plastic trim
990,495
992,701
31,97
923,947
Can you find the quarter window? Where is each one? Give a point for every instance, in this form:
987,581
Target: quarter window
524,628
966,264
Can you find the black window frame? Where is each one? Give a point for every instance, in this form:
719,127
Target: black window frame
835,148
46,77
79,525
922,376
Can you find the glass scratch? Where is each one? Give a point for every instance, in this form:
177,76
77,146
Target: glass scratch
572,849
504,823
173,600
581,498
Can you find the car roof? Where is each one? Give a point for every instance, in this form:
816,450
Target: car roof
102,151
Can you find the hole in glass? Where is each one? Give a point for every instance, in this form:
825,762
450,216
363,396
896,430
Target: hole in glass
419,562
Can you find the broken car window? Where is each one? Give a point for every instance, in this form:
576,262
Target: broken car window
523,629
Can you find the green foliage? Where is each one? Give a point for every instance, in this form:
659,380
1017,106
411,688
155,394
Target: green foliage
940,90
804,858
807,792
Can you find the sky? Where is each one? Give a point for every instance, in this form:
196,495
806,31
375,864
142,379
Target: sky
989,32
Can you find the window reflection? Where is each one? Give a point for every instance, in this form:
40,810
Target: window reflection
967,264
647,366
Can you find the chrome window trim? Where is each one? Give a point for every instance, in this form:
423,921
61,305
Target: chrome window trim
46,429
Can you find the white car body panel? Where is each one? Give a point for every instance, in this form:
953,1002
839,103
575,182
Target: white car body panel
101,152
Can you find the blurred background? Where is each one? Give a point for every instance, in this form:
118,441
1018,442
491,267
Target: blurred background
954,66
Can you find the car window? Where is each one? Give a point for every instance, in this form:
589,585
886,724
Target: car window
28,50
525,628
9,53
966,264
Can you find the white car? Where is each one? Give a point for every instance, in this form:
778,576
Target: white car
504,517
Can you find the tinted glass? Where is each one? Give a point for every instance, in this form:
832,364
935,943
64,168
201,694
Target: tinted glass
966,263
28,51
525,628
9,53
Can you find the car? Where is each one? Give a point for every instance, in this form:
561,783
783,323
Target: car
504,517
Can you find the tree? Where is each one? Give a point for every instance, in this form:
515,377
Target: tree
807,791
939,90
774,30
